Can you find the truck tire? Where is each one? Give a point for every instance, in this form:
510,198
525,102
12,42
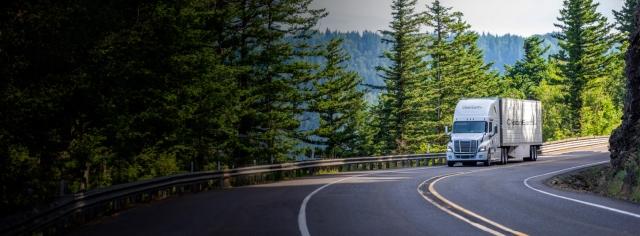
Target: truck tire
504,157
489,156
532,154
450,163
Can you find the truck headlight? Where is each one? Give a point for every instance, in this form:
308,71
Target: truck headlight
482,149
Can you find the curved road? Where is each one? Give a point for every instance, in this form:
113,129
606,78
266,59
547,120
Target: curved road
496,200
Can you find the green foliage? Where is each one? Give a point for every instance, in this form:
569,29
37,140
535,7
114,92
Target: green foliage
615,186
585,41
21,175
599,113
269,94
527,73
550,92
339,104
403,79
625,18
101,93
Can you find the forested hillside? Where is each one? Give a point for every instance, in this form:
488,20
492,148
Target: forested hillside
366,49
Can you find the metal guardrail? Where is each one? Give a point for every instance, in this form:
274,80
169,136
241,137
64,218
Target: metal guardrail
79,208
552,147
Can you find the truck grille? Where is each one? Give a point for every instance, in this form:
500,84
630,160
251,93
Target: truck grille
465,146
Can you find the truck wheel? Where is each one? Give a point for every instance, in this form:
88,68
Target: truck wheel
488,161
450,163
504,158
534,153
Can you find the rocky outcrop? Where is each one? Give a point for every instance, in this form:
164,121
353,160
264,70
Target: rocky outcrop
624,178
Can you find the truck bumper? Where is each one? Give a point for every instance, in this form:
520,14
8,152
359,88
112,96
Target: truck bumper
479,156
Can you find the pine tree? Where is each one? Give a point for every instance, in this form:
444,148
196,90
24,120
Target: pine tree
402,77
625,18
335,97
585,39
527,73
269,93
456,69
626,25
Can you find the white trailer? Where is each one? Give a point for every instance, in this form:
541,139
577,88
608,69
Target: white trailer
495,130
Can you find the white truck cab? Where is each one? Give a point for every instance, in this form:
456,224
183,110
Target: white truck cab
494,130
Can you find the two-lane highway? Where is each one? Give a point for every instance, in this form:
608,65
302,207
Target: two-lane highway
390,203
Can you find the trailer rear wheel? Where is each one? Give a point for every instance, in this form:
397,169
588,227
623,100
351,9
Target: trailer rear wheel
504,157
533,154
450,163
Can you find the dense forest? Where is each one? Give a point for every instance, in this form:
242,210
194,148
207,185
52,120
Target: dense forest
99,93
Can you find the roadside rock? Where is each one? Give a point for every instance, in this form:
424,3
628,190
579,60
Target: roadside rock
624,177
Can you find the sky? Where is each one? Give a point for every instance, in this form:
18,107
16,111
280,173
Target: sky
519,17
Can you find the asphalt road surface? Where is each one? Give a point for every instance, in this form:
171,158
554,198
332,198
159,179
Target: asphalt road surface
496,200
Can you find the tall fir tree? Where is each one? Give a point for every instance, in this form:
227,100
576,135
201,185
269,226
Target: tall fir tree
269,93
625,18
626,25
584,39
403,78
526,74
456,69
339,104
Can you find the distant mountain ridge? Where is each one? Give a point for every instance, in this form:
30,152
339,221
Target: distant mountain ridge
366,49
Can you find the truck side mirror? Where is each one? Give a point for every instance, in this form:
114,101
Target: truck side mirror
446,130
495,129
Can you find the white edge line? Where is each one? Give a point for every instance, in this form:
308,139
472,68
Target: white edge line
526,183
302,213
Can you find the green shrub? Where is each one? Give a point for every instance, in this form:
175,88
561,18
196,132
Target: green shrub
615,185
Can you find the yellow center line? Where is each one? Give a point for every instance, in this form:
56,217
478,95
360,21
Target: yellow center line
433,191
474,224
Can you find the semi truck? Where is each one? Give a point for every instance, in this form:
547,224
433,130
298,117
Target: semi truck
494,130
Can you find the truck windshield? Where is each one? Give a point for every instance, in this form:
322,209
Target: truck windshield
465,127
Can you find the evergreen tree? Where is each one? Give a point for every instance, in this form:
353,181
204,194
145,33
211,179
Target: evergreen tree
402,77
585,40
626,24
625,18
335,97
456,69
269,92
527,73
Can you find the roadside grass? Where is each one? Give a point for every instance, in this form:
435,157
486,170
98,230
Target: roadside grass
598,180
